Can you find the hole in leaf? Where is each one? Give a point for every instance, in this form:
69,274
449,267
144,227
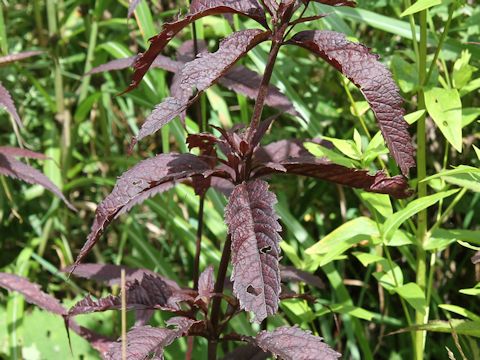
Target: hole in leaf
445,123
253,291
266,249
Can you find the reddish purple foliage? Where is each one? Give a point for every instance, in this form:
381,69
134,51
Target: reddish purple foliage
374,80
293,343
253,226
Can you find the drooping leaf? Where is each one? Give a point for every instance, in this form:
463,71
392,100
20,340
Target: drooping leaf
146,341
7,59
238,79
7,102
18,152
111,274
374,80
9,166
32,293
293,343
253,226
151,292
292,156
199,75
198,9
146,179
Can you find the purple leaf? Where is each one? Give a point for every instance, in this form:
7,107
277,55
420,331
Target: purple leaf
7,102
295,159
238,79
293,343
374,80
131,7
198,9
98,342
18,152
161,61
272,7
7,59
291,273
110,274
151,292
146,179
13,168
145,341
206,283
199,75
253,226
32,293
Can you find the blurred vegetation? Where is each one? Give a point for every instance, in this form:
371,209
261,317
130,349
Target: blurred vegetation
82,124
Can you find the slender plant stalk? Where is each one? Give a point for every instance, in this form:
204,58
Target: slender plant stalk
421,279
92,43
216,302
198,243
124,314
440,42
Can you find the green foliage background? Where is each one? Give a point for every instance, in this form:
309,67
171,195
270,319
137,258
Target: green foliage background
361,245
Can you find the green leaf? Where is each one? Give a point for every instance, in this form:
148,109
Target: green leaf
464,176
445,108
405,74
469,115
442,238
321,151
477,151
342,238
472,291
397,219
346,309
380,202
414,295
460,311
459,326
420,5
347,147
367,258
462,70
375,148
413,117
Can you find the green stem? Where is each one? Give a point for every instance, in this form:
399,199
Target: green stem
3,33
420,318
411,20
92,43
440,44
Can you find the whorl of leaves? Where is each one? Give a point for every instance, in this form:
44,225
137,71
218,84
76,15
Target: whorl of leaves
145,342
32,293
293,343
253,226
199,75
362,67
198,9
147,178
290,157
9,166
